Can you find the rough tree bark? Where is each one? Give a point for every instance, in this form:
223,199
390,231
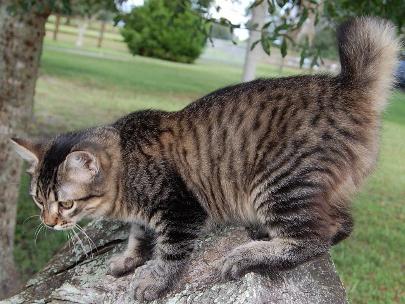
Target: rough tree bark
253,56
21,38
77,276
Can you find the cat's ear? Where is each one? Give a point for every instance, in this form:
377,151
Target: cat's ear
82,166
28,150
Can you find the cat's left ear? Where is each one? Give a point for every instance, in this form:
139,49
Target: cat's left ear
28,150
81,166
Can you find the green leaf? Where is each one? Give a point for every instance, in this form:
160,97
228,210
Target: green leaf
304,52
266,25
284,26
281,3
266,45
271,7
254,44
283,48
303,17
302,58
256,3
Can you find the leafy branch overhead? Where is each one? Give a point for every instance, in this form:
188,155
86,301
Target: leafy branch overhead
286,18
67,7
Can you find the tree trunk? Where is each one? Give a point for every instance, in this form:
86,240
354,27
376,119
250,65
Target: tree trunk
56,28
81,31
79,275
252,56
101,34
21,38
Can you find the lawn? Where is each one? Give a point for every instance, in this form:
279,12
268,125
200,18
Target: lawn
78,89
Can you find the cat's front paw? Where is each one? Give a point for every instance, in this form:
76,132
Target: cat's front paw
151,281
123,264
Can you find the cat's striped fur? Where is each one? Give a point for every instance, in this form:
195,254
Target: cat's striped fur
282,156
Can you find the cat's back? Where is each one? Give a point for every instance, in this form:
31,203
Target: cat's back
229,139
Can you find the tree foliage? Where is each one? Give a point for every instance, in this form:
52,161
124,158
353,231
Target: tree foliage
166,29
393,10
286,17
64,6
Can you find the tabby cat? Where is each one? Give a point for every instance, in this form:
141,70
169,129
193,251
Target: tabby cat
281,155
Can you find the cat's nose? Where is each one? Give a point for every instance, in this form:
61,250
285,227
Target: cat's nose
49,221
50,225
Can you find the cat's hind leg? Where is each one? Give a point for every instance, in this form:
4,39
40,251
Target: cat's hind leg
138,251
300,228
269,256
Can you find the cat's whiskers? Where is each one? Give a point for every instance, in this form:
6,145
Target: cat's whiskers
80,242
38,231
70,239
91,242
67,238
30,217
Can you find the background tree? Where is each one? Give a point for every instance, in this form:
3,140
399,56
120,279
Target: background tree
170,30
22,30
104,17
21,39
257,21
88,10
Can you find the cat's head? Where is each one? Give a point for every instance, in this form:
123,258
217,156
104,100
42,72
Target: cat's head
73,175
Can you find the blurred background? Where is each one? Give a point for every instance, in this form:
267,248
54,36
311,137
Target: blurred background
72,64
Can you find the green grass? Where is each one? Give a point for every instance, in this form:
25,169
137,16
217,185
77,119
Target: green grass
76,91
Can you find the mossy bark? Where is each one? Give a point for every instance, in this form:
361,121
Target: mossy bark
74,276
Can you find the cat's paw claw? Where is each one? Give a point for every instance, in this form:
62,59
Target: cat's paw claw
121,265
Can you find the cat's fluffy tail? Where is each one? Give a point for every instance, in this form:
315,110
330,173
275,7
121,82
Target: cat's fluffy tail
368,50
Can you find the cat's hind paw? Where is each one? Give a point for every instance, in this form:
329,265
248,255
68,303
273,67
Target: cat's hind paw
237,263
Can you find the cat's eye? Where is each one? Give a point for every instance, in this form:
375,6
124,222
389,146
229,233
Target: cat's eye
66,205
